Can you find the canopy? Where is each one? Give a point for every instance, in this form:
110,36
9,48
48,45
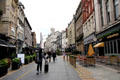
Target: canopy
101,44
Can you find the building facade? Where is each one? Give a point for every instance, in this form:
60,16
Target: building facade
51,43
79,29
71,33
88,23
20,27
27,34
108,25
64,40
8,21
34,40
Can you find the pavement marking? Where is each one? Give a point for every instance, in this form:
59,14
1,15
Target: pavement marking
20,77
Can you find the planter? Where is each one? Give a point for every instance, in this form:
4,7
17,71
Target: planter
15,66
3,70
26,61
16,63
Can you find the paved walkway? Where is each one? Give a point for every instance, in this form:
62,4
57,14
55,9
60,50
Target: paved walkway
58,71
99,72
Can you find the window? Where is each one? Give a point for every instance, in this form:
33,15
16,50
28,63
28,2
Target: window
12,31
116,5
108,11
115,47
111,45
101,11
118,46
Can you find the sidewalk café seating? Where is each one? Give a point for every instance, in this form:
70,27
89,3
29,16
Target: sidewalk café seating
118,62
82,60
72,60
90,61
113,60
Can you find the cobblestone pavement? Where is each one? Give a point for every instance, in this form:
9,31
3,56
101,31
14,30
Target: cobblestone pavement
59,70
99,72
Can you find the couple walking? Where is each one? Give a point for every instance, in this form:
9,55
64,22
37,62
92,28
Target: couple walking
39,60
51,54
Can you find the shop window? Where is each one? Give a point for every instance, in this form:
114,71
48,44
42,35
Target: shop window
108,48
115,47
119,46
105,48
111,47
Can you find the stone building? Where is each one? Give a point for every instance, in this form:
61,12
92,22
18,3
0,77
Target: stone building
8,20
64,40
79,29
8,25
88,23
107,13
51,43
27,34
20,27
71,33
34,39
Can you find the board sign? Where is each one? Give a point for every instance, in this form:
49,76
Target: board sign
22,57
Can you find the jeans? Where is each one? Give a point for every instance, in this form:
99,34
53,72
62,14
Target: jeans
39,66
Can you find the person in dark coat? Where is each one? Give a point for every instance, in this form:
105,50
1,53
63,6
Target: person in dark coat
49,54
39,60
54,56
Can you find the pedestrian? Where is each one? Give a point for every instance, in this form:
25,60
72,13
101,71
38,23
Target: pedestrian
54,56
64,54
49,54
46,67
39,59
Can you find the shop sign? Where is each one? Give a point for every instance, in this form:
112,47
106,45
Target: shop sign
90,39
113,35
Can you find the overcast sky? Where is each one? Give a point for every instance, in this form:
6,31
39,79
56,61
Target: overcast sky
46,14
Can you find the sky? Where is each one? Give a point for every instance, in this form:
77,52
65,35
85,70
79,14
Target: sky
46,14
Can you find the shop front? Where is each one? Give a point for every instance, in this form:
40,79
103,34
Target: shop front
80,44
91,39
111,40
6,48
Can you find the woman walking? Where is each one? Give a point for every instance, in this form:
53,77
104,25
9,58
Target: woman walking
39,59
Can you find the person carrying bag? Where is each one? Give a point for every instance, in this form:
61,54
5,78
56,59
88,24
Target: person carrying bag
38,60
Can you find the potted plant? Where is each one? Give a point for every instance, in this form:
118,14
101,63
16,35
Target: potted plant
34,56
27,59
3,67
15,63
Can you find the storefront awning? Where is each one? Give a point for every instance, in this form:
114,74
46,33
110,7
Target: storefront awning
101,44
5,44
